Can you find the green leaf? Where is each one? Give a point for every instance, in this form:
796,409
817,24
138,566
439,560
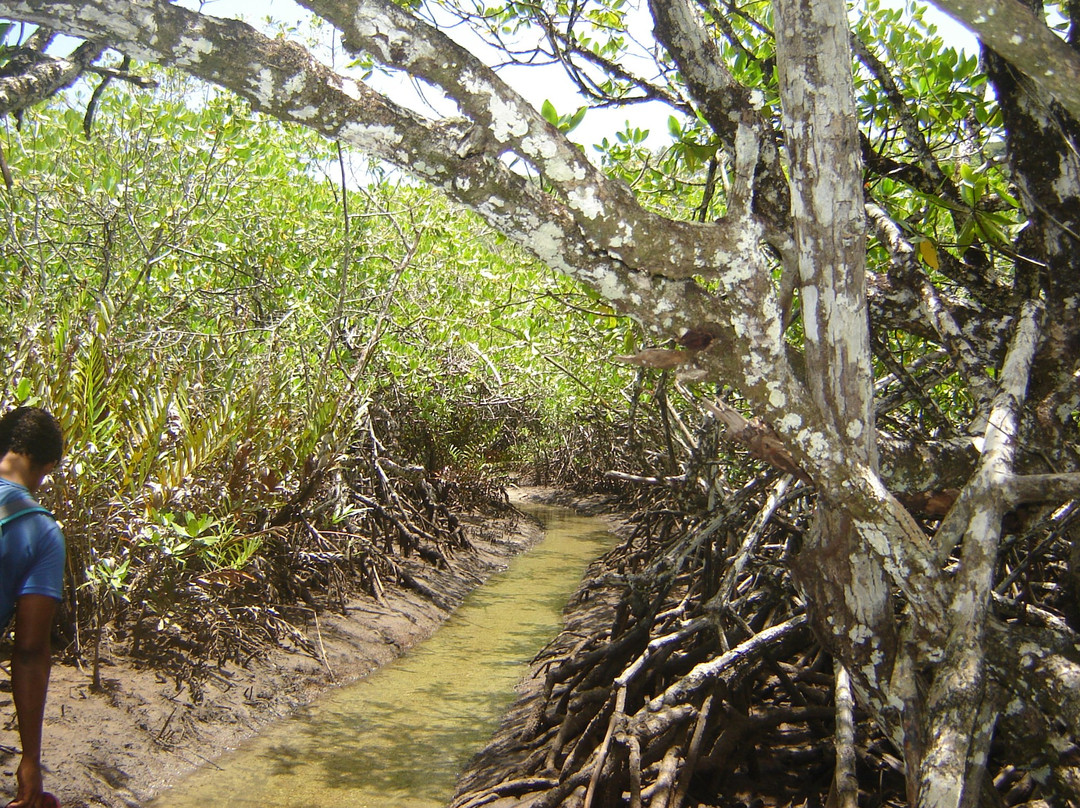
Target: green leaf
549,113
575,119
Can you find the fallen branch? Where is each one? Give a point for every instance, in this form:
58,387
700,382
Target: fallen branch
675,479
707,673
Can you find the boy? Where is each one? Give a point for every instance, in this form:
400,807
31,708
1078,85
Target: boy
31,577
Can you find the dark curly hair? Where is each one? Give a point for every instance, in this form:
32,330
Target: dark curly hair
34,432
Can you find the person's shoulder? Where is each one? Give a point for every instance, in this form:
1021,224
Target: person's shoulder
13,492
46,522
45,531
40,522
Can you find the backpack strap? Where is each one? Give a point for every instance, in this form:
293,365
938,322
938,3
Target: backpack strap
14,508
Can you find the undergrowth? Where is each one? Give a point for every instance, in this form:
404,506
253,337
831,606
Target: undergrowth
275,391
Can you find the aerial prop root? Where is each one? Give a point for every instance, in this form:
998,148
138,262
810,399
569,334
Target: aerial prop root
676,721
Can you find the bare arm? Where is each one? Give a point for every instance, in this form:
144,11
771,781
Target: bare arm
30,666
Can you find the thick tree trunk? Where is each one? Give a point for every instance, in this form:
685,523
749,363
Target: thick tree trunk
847,591
1047,171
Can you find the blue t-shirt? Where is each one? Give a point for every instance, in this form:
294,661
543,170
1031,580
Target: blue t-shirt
31,554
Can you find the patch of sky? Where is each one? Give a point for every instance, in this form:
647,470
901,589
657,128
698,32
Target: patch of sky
535,83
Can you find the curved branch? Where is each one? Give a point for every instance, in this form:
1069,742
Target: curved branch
942,184
504,122
727,105
44,76
1024,40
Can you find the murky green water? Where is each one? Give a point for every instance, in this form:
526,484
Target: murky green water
399,738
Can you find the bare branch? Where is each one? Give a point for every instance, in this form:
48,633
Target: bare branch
845,781
1021,489
1011,29
934,308
121,74
44,77
982,493
705,674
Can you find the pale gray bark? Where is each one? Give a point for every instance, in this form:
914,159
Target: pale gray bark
44,78
960,717
1011,29
827,206
813,57
846,782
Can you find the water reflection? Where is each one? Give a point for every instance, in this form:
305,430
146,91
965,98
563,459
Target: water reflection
399,738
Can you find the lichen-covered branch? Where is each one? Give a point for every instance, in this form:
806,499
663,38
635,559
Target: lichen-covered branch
960,716
1013,30
726,105
999,446
43,76
502,121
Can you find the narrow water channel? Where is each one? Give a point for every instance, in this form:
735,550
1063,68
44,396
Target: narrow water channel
399,738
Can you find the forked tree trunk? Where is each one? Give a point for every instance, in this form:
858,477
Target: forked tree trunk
946,733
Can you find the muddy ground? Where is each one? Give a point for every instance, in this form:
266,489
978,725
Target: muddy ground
121,746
